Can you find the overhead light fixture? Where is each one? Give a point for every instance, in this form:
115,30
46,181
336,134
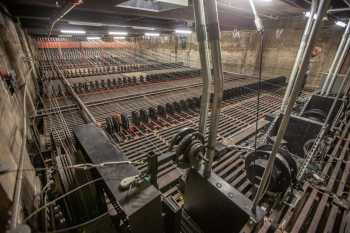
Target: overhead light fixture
93,38
73,31
63,35
119,37
152,34
118,33
308,14
94,24
181,31
143,28
340,24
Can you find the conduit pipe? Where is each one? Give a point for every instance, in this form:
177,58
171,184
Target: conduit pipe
342,51
198,8
16,208
301,52
211,13
323,6
65,10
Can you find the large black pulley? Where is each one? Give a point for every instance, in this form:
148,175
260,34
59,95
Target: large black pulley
284,171
152,113
189,147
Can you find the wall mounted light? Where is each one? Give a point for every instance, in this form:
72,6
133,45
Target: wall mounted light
340,24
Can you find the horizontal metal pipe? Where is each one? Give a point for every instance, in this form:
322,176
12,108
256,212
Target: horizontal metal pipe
338,10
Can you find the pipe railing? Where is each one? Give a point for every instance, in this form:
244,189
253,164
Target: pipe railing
211,12
199,15
16,207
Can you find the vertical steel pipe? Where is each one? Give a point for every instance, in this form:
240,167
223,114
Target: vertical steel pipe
211,13
343,51
298,60
258,23
323,6
336,59
198,8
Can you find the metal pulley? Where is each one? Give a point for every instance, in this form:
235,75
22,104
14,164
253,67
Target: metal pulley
161,111
190,103
152,113
116,124
190,147
177,106
169,108
144,116
197,101
109,125
135,118
112,125
184,105
283,174
124,120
